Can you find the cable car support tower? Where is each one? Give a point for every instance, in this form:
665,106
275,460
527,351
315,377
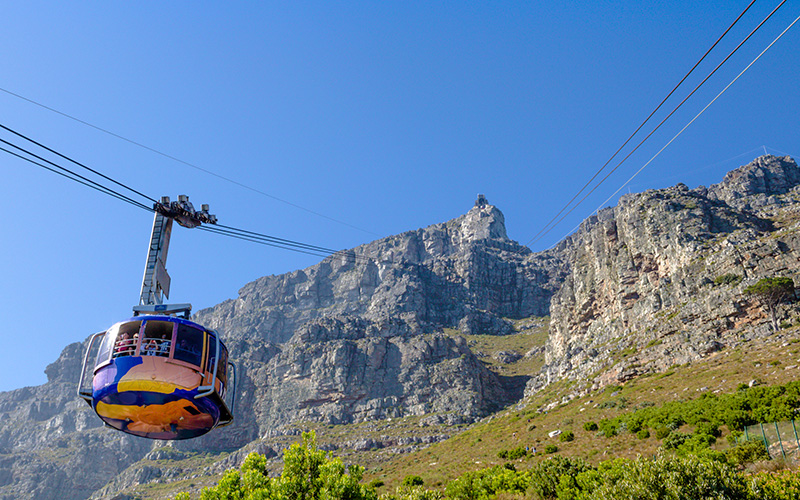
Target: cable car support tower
156,280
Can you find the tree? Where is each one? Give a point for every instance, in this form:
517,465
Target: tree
769,292
308,474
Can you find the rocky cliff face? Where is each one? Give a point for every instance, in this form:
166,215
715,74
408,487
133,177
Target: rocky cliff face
357,337
646,275
465,272
360,335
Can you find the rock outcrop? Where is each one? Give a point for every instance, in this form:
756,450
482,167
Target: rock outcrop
658,279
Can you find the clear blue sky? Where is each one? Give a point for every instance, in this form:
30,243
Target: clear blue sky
388,116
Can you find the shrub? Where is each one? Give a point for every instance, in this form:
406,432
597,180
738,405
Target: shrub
635,422
518,452
412,481
780,486
608,428
747,452
643,434
728,279
486,483
665,477
566,437
550,448
769,292
547,476
590,426
662,432
674,440
308,473
709,428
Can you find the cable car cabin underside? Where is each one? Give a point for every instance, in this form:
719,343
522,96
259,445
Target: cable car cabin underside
159,377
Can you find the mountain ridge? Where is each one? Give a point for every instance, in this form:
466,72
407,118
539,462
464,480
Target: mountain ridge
378,332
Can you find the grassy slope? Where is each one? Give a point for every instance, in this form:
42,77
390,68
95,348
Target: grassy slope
773,360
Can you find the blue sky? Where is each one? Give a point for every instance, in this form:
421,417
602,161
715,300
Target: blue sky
386,116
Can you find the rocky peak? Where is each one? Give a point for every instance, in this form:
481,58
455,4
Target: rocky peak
766,175
483,222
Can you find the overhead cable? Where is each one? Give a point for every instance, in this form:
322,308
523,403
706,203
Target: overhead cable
697,115
261,238
188,164
692,120
210,228
286,244
76,162
544,232
535,238
90,184
76,177
279,240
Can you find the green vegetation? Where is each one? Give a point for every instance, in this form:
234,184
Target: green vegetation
566,437
309,474
411,481
728,279
514,454
747,406
769,292
748,452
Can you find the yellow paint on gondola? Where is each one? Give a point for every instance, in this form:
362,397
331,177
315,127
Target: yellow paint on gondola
157,418
147,386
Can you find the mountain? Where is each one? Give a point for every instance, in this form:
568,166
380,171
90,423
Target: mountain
388,330
662,274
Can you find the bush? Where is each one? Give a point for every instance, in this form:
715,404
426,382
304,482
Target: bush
412,481
550,448
635,422
518,452
486,483
709,428
674,440
590,426
662,432
308,473
643,434
547,476
566,437
608,428
780,486
728,279
666,478
747,452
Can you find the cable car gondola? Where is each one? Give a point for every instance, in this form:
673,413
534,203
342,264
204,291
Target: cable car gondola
157,375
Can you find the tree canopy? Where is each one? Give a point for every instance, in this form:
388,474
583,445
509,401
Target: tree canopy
770,292
308,474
